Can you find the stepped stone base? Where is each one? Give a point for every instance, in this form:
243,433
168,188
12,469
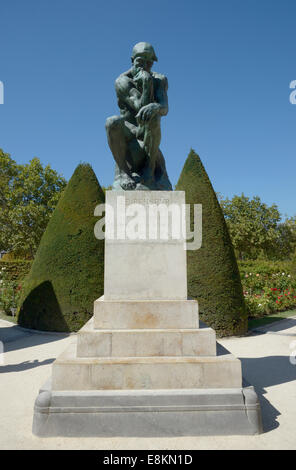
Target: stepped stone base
142,366
70,372
130,314
144,413
145,342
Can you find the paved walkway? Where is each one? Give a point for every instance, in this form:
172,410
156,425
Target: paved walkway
265,357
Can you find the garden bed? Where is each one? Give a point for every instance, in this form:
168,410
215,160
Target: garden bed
269,288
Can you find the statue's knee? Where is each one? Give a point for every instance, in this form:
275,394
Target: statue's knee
113,123
154,124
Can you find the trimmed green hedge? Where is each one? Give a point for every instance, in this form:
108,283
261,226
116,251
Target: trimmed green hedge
266,267
213,275
67,274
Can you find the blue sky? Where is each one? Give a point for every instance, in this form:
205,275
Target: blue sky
229,64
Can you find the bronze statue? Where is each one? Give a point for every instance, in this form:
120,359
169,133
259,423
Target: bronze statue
135,135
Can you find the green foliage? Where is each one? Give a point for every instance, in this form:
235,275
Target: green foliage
285,245
12,274
9,290
9,298
15,270
28,196
213,275
8,172
253,226
106,188
268,286
264,267
68,270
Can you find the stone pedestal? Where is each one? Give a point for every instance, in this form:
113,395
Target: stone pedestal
142,366
153,266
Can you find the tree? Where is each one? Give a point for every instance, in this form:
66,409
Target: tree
253,226
285,245
28,196
213,276
8,171
67,274
106,188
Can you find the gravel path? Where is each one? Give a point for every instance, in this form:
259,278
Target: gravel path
265,356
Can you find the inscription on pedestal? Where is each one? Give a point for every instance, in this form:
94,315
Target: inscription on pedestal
152,265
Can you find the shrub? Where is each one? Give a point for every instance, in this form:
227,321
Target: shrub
9,292
15,270
213,275
268,287
68,270
12,274
263,266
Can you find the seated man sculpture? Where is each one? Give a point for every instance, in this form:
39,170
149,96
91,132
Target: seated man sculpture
135,135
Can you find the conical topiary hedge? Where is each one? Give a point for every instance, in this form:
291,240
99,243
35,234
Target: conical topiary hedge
67,274
213,275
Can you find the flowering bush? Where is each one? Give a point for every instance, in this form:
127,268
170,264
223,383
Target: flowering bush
9,293
268,292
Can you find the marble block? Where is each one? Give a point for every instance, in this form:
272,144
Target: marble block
129,314
146,268
145,342
70,372
146,413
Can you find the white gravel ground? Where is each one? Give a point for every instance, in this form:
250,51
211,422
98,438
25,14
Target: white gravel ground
266,364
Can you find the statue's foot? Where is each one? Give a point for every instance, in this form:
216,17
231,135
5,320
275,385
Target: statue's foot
127,183
136,177
148,176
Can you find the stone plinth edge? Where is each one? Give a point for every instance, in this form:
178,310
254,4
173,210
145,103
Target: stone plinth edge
147,413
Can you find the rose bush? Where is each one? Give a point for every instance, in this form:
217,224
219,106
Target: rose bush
266,293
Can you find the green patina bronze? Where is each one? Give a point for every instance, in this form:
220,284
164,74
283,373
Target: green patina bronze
134,136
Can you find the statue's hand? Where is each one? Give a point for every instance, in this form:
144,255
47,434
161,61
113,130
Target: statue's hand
144,83
148,112
142,76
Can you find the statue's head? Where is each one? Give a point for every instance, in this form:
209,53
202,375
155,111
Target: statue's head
143,55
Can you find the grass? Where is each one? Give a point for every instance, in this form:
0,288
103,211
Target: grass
10,318
256,322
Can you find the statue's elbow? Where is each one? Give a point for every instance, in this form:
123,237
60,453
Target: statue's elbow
165,110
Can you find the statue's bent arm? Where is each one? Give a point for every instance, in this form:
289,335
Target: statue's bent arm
161,94
127,93
159,105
